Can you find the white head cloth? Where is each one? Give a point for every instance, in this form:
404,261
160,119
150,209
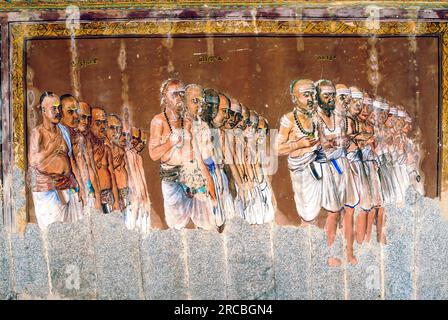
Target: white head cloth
344,91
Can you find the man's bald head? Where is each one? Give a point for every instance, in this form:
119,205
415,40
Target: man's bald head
141,141
114,128
245,117
343,97
99,123
85,117
172,92
69,111
357,96
135,136
194,97
303,94
234,113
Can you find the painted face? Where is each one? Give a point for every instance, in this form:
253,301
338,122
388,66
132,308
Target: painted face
124,138
366,110
135,134
245,120
304,94
141,142
373,118
194,101
235,115
99,123
51,110
114,129
327,97
391,120
355,106
399,123
223,112
70,116
174,97
383,116
407,127
85,117
261,130
252,125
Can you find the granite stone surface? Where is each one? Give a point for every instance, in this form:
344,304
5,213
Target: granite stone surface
164,265
292,263
30,269
250,261
72,260
117,258
207,269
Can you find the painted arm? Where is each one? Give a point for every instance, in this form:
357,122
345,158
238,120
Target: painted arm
93,175
37,155
77,174
156,148
110,167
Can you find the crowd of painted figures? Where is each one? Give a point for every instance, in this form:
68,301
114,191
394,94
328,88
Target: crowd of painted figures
82,158
346,150
211,150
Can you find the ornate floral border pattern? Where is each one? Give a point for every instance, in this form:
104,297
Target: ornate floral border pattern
16,5
22,31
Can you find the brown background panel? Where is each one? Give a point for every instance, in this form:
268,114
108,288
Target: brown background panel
255,70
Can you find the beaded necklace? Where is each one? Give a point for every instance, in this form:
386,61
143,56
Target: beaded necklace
169,124
334,123
299,125
356,124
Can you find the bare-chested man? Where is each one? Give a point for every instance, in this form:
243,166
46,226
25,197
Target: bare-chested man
254,210
184,175
201,108
234,154
130,139
144,202
74,118
359,135
114,133
338,185
216,113
365,219
92,189
414,154
263,167
103,160
53,167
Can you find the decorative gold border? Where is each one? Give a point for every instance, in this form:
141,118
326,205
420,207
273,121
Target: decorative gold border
16,5
22,31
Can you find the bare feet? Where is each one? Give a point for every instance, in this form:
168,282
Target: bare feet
352,260
334,262
361,225
382,239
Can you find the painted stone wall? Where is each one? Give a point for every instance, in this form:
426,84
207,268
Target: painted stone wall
98,258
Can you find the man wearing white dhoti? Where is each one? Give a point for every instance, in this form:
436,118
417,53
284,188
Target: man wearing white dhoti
414,156
367,121
393,145
200,103
358,168
311,175
339,188
216,112
186,181
53,167
262,167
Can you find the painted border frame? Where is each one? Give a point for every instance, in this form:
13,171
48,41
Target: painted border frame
20,32
20,5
